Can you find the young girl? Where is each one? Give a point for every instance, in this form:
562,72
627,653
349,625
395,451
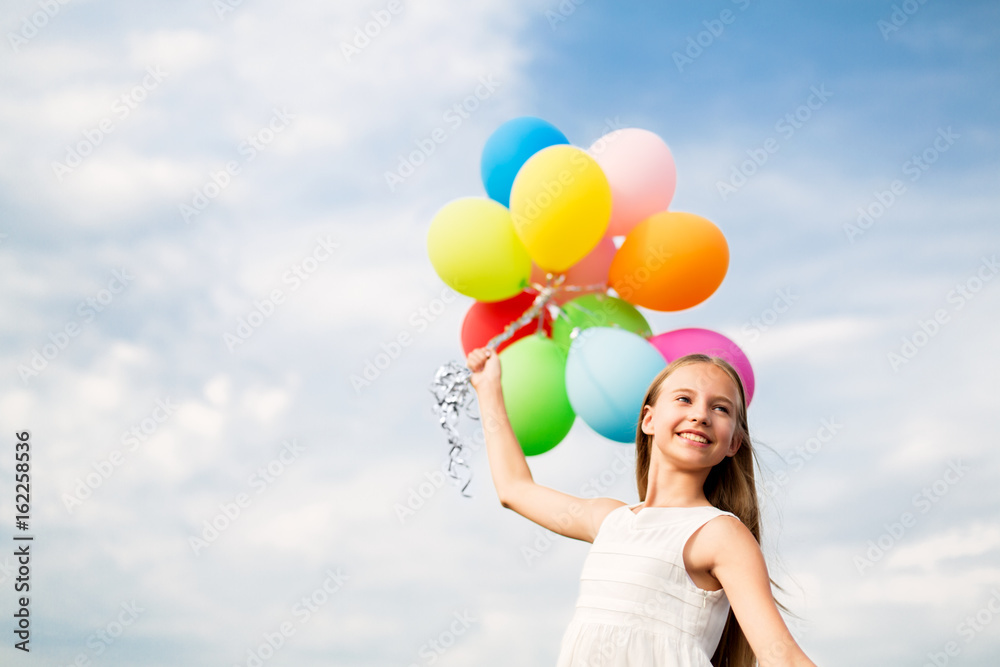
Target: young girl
679,578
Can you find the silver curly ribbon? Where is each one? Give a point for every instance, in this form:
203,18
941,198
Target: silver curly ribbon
453,390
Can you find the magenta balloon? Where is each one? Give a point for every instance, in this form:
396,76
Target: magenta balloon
675,344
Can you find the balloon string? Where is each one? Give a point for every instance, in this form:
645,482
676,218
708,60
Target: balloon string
453,389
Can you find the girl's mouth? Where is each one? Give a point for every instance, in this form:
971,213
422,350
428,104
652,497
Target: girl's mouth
695,438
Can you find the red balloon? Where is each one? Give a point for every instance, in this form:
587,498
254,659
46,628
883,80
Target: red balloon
486,320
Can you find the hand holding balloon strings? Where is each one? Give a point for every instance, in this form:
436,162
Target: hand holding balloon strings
452,386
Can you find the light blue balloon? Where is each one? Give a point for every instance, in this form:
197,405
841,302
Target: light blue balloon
608,371
509,147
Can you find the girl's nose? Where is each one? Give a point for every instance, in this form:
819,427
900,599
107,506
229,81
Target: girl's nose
698,413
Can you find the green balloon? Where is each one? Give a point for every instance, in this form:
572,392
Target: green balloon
597,310
533,379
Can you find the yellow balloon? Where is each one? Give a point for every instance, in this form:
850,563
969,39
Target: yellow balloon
473,248
560,204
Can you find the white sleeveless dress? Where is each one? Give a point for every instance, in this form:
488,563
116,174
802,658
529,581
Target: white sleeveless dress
637,605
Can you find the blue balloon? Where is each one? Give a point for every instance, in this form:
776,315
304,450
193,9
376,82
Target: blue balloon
509,147
608,371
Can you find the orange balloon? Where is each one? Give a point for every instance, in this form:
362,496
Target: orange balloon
670,261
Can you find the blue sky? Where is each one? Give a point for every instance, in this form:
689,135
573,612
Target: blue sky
849,438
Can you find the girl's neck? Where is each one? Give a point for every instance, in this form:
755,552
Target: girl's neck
675,488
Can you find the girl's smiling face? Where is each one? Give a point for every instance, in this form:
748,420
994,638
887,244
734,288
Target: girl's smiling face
694,417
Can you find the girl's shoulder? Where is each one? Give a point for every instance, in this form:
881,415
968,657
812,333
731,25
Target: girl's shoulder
723,531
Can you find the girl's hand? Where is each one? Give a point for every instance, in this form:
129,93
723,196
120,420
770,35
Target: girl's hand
485,366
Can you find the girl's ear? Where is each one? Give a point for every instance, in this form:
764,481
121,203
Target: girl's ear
646,423
734,446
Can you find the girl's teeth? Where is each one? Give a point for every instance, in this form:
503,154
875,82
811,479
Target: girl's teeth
692,436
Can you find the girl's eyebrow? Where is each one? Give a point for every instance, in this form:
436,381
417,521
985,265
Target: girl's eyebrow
692,391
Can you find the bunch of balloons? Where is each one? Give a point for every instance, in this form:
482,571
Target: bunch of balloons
542,244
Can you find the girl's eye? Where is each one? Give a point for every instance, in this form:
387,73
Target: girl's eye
684,398
723,408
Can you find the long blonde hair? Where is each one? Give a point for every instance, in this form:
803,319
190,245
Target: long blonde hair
730,486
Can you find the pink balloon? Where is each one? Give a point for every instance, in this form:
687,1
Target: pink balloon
641,171
675,344
591,270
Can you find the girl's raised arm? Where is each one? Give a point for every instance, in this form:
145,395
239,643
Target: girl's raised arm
560,512
738,564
